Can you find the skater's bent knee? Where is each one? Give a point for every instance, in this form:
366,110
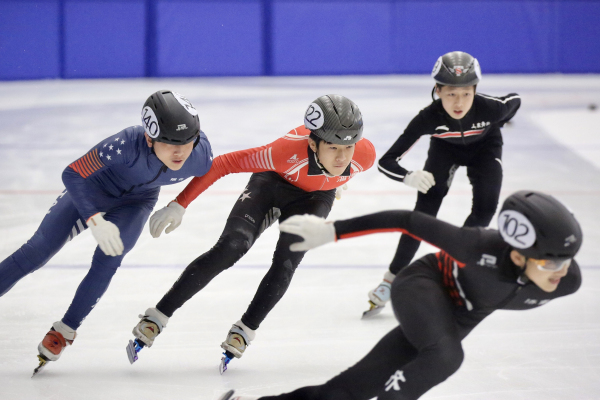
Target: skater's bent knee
236,242
450,355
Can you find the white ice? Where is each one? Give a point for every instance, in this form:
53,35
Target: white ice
315,332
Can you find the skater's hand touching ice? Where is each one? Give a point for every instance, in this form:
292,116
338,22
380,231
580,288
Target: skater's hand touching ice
106,234
167,217
420,180
314,230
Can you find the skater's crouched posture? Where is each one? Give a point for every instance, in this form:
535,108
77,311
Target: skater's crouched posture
112,190
441,297
297,174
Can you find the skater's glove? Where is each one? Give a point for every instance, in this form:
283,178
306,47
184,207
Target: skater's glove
167,217
314,230
420,180
106,234
339,190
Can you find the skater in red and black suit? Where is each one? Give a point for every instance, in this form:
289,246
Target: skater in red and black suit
465,131
439,298
299,173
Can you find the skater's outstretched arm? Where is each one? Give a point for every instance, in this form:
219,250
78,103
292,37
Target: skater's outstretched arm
458,242
389,164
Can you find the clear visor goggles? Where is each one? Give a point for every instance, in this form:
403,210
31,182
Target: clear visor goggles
552,265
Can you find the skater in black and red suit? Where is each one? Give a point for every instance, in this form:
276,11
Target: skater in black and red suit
439,298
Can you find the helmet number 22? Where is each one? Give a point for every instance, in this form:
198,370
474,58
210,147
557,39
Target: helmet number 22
313,119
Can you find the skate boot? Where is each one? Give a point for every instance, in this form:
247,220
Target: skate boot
379,296
238,338
54,343
150,326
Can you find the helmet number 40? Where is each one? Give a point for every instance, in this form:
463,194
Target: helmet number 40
150,122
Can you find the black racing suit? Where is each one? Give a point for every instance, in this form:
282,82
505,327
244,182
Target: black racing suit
474,141
438,300
266,196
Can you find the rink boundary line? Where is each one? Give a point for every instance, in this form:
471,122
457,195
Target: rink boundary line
246,266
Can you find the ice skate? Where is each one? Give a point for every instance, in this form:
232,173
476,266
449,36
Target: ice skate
54,343
230,396
379,296
238,338
150,326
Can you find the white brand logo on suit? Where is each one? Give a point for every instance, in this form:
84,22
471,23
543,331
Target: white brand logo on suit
392,383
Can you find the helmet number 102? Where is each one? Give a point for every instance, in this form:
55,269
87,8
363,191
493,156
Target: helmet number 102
516,229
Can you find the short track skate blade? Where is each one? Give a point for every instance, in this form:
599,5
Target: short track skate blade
227,357
227,395
40,367
133,348
374,310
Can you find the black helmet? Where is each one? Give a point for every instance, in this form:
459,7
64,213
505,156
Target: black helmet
456,68
335,119
539,226
169,117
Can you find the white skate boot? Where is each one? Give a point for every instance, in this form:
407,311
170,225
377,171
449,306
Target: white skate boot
54,343
150,326
379,296
238,338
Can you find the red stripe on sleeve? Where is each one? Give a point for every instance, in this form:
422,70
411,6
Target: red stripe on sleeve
81,168
86,165
96,162
384,230
75,168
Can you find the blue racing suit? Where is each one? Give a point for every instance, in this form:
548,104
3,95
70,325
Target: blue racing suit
120,177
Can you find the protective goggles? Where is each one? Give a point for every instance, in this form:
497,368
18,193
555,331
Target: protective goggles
552,265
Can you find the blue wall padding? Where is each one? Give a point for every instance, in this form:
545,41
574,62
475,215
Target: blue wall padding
332,37
505,36
104,38
579,36
209,38
29,39
134,38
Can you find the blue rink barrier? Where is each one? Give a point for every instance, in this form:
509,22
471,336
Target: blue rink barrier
137,38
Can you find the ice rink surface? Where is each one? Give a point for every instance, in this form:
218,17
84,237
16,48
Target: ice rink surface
315,332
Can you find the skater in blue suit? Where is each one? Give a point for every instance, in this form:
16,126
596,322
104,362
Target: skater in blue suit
112,190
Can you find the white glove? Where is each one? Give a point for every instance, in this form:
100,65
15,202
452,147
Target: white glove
106,234
420,180
339,190
170,215
314,230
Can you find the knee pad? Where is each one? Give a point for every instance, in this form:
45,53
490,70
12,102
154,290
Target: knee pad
36,253
235,243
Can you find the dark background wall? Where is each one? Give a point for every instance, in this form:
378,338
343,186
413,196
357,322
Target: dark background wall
135,38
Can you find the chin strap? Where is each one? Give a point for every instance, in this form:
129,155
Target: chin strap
432,93
523,279
322,167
